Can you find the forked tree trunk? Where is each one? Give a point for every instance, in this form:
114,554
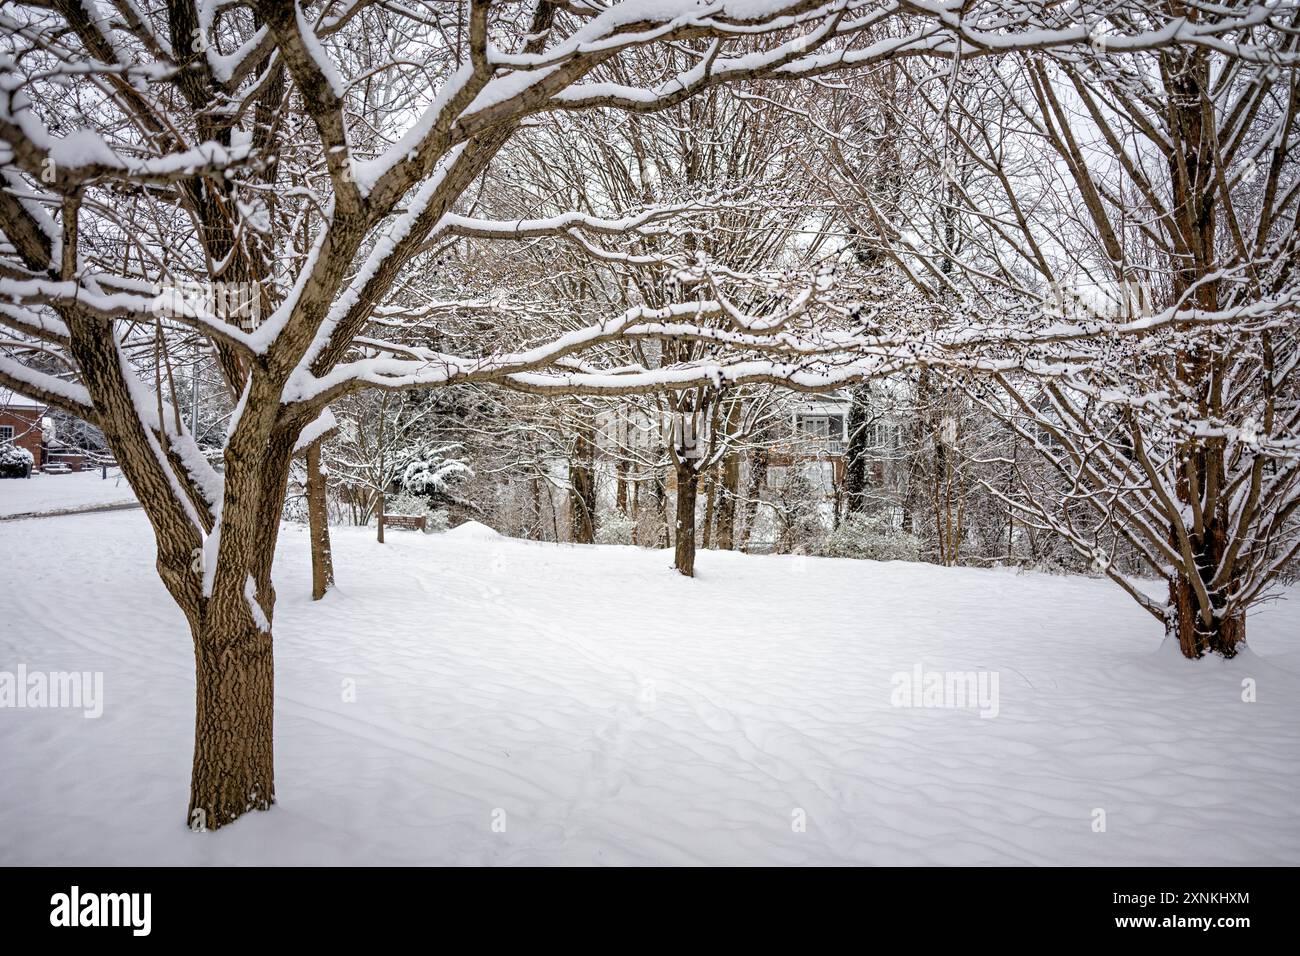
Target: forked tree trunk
684,548
234,769
322,559
1222,636
1203,485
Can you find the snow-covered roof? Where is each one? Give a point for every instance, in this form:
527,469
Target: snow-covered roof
829,403
13,401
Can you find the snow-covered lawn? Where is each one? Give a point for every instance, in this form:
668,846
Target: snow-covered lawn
82,489
606,710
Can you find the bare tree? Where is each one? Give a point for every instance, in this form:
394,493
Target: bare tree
1152,198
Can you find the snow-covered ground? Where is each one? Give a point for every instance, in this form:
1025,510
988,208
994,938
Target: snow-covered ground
598,708
82,489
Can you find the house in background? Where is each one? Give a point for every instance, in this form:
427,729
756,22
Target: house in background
21,426
821,421
815,445
29,426
818,439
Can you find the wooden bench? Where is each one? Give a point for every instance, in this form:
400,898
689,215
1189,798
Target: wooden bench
414,522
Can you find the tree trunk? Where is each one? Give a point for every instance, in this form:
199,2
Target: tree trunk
1195,639
620,487
582,487
1186,619
710,495
856,477
726,530
661,507
634,512
620,468
757,482
1202,475
235,697
380,504
535,514
920,450
687,486
322,558
233,769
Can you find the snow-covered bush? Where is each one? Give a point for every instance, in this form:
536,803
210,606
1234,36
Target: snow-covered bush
798,507
15,462
615,528
871,536
430,472
13,454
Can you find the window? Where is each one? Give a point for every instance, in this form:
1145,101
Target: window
886,436
6,433
817,425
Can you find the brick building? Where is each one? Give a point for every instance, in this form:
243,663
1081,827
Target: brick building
21,425
27,426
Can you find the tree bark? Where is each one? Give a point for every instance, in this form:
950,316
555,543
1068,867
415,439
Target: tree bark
535,513
1186,619
621,468
1202,477
684,547
726,529
582,487
757,482
856,477
620,487
634,512
322,558
233,768
1223,636
710,496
